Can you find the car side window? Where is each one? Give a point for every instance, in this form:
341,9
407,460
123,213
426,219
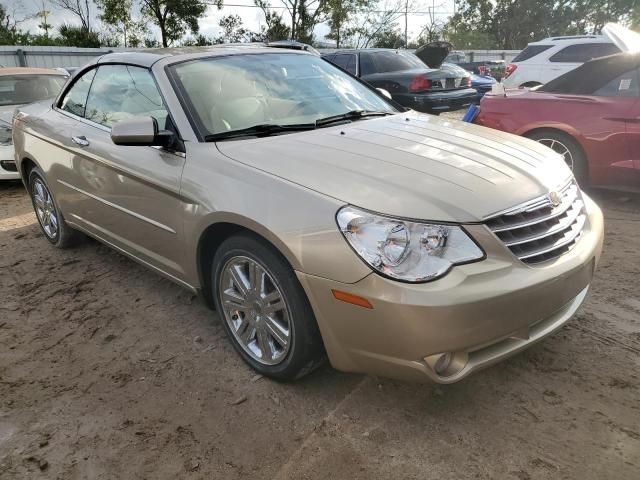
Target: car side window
625,85
367,66
123,91
351,65
341,61
584,52
75,100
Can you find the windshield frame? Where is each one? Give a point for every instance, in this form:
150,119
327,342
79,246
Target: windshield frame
189,109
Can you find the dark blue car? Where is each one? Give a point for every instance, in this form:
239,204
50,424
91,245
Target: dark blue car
482,84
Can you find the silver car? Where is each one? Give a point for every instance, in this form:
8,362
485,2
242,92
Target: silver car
19,86
317,217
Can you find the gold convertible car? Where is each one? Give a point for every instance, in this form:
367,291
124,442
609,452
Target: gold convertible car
315,215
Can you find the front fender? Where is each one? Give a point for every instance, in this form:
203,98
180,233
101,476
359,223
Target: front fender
299,222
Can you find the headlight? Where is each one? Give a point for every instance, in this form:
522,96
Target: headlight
406,250
5,135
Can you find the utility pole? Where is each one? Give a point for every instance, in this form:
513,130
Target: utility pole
406,22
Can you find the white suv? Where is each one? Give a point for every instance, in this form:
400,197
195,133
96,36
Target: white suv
547,59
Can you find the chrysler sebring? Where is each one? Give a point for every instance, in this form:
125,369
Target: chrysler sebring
313,215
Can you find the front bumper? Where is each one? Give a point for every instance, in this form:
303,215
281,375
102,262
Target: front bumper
437,101
485,311
8,169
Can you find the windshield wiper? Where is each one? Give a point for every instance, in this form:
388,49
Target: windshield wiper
352,115
262,130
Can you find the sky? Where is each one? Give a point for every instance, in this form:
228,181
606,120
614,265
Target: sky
252,17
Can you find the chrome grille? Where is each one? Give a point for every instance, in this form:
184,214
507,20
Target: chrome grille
538,230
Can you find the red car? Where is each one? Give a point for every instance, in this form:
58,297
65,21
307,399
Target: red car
590,115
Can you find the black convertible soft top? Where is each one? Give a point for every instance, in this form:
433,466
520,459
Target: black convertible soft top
593,75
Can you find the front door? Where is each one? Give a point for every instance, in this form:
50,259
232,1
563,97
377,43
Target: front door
129,196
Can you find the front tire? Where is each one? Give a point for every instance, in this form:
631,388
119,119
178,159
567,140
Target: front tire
50,219
264,309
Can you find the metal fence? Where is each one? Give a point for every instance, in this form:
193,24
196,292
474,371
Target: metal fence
48,57
52,57
485,55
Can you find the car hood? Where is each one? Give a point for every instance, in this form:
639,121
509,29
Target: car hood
410,165
626,40
434,53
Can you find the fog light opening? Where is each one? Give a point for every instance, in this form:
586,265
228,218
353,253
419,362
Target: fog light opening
443,363
448,363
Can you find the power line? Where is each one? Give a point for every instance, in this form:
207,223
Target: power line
372,11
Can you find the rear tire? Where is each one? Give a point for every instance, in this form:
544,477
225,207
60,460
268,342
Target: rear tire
50,219
264,309
569,148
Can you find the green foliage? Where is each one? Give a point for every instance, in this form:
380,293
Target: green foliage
233,31
388,38
74,36
275,28
340,14
175,17
511,24
464,39
117,15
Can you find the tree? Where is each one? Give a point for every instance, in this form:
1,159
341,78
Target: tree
374,24
305,15
275,28
233,31
340,13
74,36
10,33
79,8
117,14
43,14
511,24
433,29
175,17
390,37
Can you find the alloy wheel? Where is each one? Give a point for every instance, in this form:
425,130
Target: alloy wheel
255,310
45,208
560,148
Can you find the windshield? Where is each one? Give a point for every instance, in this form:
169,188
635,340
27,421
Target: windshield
21,89
240,91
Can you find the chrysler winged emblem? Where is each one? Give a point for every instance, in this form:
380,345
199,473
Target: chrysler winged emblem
555,199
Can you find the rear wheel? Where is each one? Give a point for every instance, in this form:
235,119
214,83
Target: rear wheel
567,147
264,309
49,217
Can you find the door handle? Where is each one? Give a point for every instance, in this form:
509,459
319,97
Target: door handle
80,140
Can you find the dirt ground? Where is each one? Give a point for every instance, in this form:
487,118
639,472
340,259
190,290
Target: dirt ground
108,371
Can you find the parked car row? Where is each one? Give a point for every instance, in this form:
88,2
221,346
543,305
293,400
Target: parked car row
315,214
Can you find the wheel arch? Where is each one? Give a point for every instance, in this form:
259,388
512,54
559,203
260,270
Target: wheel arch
223,227
566,131
562,129
27,164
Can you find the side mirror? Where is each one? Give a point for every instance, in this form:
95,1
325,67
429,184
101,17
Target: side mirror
141,131
385,93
